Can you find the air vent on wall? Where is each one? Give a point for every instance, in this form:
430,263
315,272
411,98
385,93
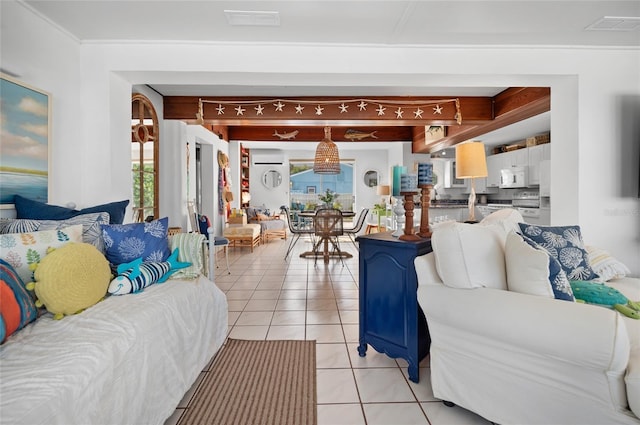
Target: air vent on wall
267,157
615,23
252,18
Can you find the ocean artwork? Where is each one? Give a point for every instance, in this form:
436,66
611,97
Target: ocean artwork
25,147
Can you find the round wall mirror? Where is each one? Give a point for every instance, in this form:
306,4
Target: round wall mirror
371,178
272,179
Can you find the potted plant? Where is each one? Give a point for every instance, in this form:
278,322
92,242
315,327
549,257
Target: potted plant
328,197
380,210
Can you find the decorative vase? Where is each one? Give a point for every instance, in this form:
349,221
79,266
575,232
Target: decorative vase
398,210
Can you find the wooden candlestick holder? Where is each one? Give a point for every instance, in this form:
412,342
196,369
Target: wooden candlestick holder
425,200
408,214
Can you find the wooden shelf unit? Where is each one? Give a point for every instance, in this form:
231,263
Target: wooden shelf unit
244,175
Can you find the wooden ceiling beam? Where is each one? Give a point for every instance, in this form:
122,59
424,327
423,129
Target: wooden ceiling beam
315,134
510,106
392,118
305,111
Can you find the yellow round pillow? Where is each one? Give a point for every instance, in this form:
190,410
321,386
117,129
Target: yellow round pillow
71,278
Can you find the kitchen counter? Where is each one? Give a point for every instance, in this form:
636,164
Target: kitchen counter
443,205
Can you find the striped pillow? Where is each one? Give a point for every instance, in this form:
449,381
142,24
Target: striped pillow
91,231
605,266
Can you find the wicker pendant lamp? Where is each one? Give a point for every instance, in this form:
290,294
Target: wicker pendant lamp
327,159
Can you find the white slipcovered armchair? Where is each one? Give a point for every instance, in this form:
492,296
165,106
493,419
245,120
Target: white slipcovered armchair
514,357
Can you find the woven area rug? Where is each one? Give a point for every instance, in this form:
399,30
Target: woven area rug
258,382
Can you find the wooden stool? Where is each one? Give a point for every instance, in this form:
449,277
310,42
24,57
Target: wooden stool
246,235
369,228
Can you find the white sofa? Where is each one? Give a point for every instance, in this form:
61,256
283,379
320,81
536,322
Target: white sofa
516,358
128,359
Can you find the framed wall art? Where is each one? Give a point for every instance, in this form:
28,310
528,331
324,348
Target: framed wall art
25,152
434,132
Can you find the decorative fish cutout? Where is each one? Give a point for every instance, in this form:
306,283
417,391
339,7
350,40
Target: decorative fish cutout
136,275
286,136
352,135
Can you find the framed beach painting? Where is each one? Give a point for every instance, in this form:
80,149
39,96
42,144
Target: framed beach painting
25,126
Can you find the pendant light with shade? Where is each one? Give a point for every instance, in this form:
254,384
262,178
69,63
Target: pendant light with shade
327,160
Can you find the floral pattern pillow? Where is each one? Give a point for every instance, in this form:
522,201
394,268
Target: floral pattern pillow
25,250
564,243
127,242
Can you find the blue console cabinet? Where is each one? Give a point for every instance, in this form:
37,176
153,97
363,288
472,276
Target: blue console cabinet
391,321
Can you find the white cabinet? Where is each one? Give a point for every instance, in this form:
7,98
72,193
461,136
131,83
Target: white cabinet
545,177
537,154
481,185
517,158
494,165
450,179
529,157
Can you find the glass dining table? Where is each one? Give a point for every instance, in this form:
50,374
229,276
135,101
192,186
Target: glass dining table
326,234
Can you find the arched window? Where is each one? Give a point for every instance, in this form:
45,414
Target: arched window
144,157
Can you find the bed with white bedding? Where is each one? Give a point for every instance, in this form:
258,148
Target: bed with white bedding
127,360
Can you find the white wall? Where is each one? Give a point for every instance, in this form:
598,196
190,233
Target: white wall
210,144
589,89
372,159
30,54
173,179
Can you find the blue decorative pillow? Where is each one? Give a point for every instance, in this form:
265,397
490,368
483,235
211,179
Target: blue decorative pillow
531,270
35,210
127,242
564,243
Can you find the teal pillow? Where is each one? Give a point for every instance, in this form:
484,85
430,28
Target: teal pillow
597,293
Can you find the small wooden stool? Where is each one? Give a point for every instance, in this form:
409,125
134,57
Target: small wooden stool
243,235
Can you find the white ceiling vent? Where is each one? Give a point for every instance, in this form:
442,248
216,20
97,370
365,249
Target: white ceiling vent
615,23
252,18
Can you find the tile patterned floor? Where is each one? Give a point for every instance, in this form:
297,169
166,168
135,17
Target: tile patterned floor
270,298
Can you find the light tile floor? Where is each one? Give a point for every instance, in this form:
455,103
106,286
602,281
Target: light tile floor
270,298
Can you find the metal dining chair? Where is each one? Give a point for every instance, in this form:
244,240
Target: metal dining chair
296,230
353,231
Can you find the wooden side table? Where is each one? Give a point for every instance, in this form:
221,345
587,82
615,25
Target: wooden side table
391,321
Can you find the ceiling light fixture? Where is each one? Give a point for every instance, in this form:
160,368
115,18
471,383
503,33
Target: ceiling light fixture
327,160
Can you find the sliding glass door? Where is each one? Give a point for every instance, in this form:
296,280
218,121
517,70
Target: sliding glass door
305,186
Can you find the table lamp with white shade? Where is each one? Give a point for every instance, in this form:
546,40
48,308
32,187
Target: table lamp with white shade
471,162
